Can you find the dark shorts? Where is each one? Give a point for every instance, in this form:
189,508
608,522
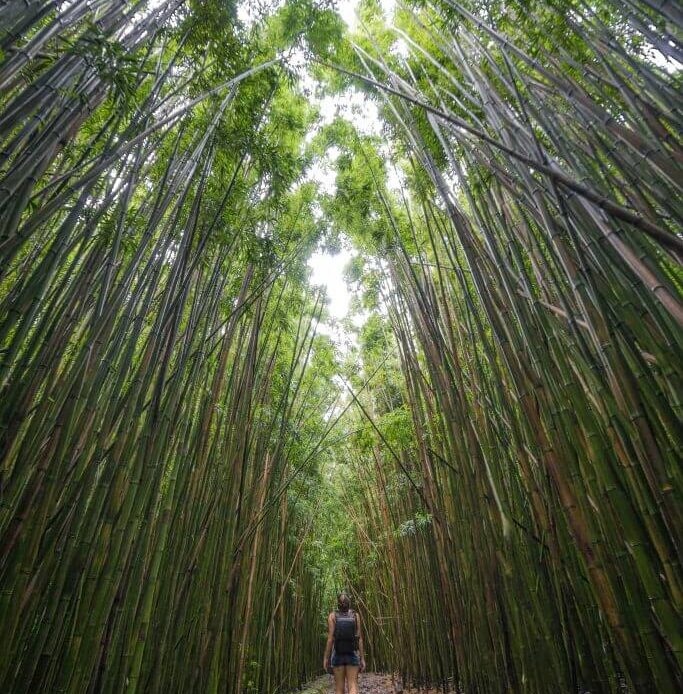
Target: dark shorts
338,660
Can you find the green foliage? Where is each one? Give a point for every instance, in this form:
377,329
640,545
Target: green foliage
190,470
307,25
414,525
118,67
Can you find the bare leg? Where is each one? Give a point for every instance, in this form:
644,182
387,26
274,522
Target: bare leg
352,678
339,679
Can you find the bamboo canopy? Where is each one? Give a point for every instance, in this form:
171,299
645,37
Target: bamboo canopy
190,467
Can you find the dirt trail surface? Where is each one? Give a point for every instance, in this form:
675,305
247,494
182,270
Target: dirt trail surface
370,683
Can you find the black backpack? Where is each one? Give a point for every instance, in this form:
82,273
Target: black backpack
345,633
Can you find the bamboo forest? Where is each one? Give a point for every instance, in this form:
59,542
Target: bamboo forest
483,447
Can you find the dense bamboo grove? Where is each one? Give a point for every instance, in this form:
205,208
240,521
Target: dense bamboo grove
188,470
533,297
158,416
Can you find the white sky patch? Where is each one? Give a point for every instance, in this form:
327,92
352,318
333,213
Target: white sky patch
401,48
354,106
348,10
670,65
323,172
328,271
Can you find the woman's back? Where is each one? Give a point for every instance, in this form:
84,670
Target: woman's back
344,649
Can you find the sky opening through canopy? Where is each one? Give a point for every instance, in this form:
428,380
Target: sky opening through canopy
327,268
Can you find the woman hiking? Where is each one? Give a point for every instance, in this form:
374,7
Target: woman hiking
344,649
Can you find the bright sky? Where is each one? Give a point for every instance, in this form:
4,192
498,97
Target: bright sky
327,269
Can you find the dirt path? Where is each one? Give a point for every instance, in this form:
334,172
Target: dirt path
370,683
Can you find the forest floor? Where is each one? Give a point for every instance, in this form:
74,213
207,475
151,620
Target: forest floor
370,683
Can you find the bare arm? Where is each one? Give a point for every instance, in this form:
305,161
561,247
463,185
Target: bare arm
361,645
330,640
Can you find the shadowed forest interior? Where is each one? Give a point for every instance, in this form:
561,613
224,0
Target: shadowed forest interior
485,449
